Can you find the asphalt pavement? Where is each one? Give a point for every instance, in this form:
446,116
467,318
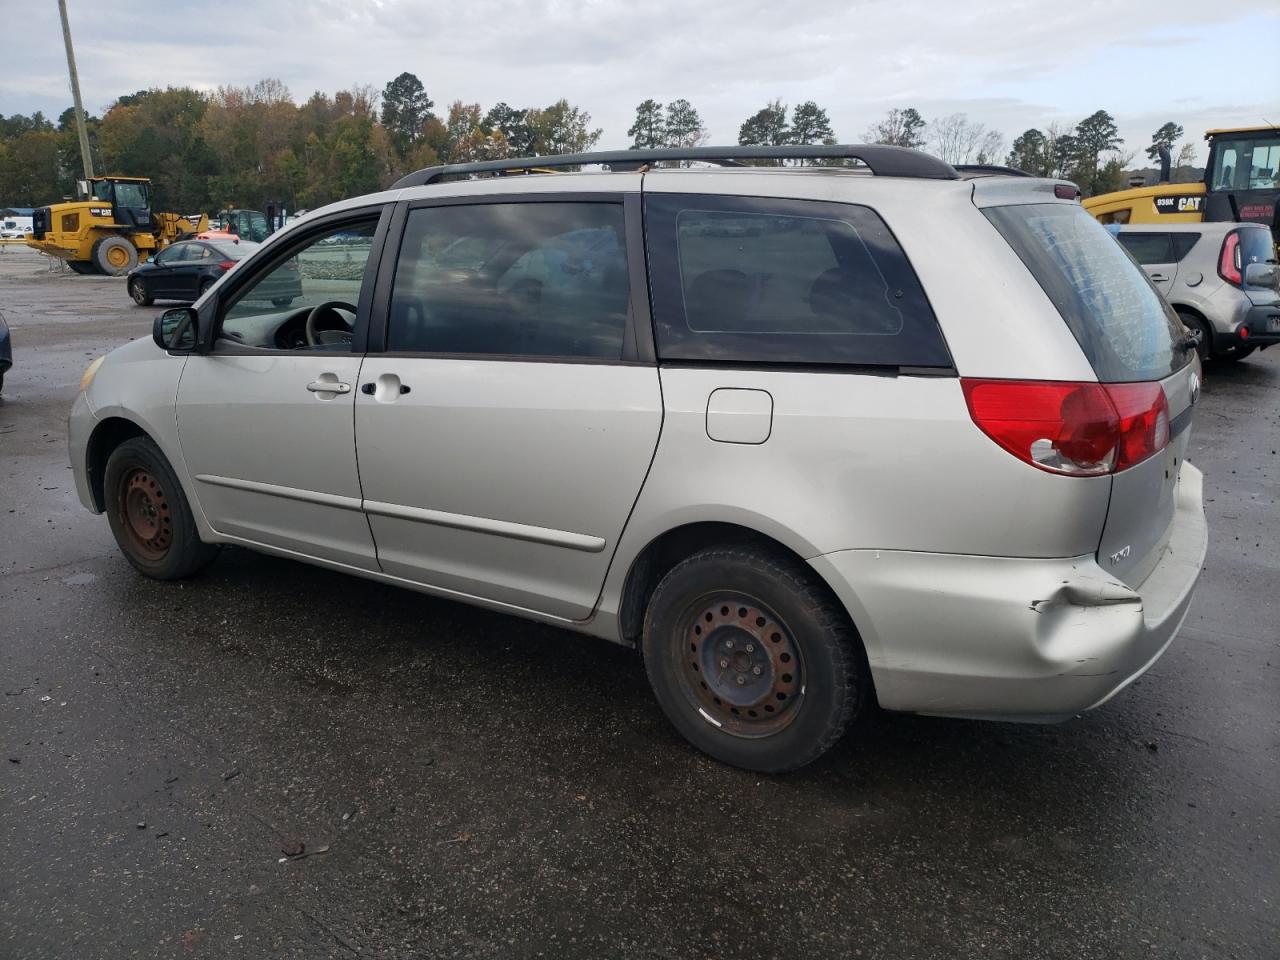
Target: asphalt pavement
273,760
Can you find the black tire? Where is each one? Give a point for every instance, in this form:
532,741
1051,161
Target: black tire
138,291
83,268
282,301
1201,331
114,256
205,284
752,659
149,514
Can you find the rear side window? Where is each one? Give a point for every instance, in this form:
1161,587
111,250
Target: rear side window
1123,325
545,279
1148,248
1184,243
784,281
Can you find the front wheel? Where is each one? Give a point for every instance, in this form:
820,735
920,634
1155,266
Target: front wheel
139,293
149,514
752,659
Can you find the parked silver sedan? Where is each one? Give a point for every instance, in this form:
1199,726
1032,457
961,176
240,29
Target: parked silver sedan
811,438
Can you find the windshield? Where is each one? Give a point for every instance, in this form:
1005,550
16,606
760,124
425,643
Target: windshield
1122,324
1246,164
131,195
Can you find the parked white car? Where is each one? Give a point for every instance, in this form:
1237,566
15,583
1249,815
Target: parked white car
809,437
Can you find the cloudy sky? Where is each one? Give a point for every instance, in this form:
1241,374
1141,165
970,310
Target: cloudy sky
1010,64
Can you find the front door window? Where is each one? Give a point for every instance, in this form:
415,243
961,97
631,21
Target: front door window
306,301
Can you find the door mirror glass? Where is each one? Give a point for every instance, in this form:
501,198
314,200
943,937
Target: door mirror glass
1262,275
175,330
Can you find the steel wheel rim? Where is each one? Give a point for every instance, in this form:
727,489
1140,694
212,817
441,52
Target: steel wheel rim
739,665
135,290
117,256
144,515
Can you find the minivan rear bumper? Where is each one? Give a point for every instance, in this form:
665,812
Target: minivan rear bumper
1016,639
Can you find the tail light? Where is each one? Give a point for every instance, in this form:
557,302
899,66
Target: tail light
227,264
1073,429
1229,267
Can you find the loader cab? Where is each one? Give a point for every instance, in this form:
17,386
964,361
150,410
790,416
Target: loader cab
245,224
130,198
1242,175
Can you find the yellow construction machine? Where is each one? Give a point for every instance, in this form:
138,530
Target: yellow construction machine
110,228
1241,183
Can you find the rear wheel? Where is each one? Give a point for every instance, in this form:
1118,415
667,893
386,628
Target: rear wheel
138,291
752,659
115,256
205,284
149,514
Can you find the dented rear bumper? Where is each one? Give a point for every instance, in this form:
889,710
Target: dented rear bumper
1015,639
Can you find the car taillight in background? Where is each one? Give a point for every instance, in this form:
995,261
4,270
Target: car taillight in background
1073,429
227,264
1229,266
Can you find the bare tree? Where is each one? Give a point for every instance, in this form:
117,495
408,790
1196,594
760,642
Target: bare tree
955,138
1186,160
990,147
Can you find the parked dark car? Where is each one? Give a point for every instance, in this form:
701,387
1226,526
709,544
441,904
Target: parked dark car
6,350
185,270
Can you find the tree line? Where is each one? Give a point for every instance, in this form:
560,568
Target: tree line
243,146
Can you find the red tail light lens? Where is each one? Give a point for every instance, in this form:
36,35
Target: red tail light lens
227,264
1229,268
1074,429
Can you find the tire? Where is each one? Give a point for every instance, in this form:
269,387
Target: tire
82,267
282,301
205,284
139,293
1201,331
114,256
752,659
149,514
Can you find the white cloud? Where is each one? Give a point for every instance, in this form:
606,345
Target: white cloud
1008,63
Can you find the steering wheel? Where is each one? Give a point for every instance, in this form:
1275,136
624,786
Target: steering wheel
318,338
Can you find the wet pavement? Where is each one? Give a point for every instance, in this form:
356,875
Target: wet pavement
464,784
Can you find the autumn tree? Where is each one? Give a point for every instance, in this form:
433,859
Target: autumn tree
562,128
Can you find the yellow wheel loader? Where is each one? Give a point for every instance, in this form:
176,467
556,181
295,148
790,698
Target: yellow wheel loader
110,228
1241,184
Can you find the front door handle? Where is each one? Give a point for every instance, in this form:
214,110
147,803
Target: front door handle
328,386
1157,276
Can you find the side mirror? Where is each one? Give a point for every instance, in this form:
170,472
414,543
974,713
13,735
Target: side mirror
175,330
1262,275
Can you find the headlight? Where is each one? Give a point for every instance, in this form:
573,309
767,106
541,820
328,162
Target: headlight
90,373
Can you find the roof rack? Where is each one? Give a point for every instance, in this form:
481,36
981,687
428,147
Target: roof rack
882,160
969,170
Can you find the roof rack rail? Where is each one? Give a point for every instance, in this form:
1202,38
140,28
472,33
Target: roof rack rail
967,170
881,159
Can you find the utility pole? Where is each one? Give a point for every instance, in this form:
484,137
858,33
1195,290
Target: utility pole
75,93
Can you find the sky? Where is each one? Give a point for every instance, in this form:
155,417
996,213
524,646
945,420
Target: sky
1009,64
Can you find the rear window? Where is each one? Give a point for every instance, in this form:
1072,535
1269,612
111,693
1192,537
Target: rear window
1255,245
784,281
1122,324
234,251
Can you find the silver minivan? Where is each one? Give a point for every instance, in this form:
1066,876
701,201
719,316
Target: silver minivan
809,437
